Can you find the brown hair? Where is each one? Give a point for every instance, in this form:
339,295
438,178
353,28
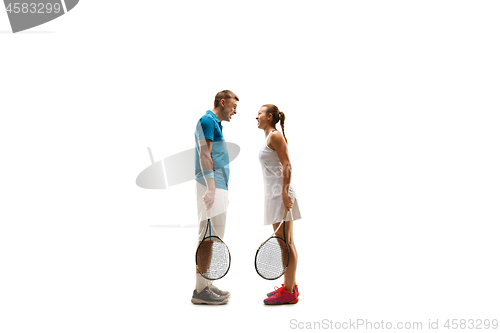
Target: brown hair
277,116
224,94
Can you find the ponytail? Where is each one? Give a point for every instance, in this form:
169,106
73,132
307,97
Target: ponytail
277,116
282,124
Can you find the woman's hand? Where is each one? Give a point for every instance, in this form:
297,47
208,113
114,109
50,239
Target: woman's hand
287,201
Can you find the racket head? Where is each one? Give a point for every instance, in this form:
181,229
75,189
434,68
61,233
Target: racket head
212,258
272,258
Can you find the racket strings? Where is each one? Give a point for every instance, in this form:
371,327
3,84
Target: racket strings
272,258
213,258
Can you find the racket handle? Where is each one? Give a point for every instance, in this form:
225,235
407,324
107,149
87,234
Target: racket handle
209,224
285,213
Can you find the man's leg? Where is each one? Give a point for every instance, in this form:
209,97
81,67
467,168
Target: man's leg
205,292
218,215
201,282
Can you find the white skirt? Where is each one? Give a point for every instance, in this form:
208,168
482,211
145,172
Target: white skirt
274,209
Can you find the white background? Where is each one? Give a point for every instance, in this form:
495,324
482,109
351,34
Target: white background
393,125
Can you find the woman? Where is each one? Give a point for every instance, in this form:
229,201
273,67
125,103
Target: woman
279,195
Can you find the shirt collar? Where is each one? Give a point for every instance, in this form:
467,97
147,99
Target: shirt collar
210,113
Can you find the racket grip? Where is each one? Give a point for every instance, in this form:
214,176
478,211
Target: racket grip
285,213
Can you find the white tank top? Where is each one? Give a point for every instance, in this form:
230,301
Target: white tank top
272,171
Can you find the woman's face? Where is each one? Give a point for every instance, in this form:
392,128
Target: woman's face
262,118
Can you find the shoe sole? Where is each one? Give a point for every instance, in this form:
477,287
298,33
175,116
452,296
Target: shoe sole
200,301
293,301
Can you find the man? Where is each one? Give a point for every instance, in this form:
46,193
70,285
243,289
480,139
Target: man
212,176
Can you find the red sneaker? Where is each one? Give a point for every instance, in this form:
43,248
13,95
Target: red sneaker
276,289
272,293
282,296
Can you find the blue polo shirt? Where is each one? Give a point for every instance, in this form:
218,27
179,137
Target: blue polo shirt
209,127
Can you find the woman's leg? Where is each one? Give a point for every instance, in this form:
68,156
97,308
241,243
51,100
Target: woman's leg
292,265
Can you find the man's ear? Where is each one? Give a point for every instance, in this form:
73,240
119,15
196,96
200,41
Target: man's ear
222,102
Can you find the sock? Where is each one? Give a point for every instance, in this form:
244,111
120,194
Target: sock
201,282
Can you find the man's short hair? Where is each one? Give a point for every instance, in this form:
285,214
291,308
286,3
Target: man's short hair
224,94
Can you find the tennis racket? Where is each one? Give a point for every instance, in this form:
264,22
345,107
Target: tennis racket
212,256
273,256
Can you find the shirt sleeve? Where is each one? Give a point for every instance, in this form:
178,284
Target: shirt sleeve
205,129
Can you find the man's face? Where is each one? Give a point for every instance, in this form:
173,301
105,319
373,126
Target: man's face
228,108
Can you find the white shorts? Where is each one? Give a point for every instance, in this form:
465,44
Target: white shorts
218,212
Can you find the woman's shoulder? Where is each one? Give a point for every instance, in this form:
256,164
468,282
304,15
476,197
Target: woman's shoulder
276,136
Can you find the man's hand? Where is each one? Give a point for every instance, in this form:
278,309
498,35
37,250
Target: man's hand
209,198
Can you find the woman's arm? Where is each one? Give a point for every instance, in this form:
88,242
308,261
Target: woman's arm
277,141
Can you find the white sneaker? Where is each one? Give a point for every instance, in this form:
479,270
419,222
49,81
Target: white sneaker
207,296
219,292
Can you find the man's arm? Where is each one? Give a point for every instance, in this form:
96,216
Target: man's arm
207,167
